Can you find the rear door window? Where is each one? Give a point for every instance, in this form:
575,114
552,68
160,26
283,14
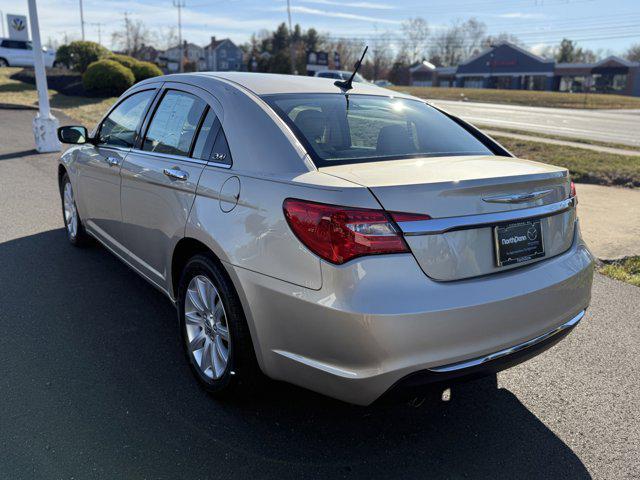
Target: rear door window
174,124
221,152
206,135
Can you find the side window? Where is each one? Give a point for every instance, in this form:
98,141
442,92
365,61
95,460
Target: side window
119,128
210,123
16,44
221,153
174,124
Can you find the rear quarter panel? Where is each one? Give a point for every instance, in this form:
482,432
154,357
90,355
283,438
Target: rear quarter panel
255,235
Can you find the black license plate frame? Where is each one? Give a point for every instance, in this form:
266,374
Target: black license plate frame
518,242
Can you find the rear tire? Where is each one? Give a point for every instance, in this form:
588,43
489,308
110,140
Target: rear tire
215,334
76,234
3,63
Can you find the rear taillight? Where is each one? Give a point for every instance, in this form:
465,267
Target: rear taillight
574,193
339,234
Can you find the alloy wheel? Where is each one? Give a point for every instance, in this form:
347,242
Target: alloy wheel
207,330
70,211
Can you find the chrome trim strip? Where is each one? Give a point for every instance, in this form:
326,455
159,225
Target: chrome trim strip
452,367
180,158
217,164
168,156
436,226
518,197
113,148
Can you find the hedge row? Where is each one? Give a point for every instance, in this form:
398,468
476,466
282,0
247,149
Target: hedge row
104,73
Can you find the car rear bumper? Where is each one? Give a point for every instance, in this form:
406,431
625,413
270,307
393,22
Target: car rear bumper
379,321
487,364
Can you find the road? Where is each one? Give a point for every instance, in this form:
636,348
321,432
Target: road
94,383
604,126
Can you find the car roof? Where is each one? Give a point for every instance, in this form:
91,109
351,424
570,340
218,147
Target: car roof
272,83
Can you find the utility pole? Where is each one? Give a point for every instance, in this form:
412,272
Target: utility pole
2,21
180,4
82,20
291,54
45,125
99,25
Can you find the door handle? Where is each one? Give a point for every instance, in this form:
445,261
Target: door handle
112,161
176,173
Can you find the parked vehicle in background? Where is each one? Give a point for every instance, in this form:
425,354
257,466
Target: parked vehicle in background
19,53
346,243
341,75
383,83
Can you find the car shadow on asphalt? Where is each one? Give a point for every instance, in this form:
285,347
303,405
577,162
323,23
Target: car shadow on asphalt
95,380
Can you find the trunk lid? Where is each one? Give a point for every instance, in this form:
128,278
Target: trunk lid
473,194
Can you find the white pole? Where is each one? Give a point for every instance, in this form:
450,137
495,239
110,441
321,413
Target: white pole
45,124
2,21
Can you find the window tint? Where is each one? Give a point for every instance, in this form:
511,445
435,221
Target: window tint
344,129
174,124
221,153
119,128
208,124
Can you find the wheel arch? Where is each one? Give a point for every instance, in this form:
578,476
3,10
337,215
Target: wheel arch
185,249
61,173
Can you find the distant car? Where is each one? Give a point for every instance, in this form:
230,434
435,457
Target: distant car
346,244
19,53
383,83
340,75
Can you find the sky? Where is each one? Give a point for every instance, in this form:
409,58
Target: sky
610,26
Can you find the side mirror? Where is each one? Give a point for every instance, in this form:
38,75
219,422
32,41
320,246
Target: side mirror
73,134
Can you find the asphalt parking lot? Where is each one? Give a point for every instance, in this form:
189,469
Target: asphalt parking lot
94,384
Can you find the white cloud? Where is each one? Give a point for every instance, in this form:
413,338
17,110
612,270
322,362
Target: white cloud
347,16
369,5
521,15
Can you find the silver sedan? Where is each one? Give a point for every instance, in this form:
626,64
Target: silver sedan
351,242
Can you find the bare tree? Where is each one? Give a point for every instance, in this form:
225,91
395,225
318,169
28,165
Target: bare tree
633,54
165,38
474,32
415,33
490,40
348,50
458,42
132,37
446,46
381,56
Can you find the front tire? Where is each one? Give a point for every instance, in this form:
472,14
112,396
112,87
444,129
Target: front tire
76,234
214,330
3,63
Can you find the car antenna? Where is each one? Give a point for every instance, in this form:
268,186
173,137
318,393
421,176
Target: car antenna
347,85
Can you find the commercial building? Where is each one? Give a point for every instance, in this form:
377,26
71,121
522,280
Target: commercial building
508,66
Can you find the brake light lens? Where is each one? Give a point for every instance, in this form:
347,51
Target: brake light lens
573,190
339,234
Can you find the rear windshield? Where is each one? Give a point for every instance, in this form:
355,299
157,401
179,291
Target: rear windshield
371,128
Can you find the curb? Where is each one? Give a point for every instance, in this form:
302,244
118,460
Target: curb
15,106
